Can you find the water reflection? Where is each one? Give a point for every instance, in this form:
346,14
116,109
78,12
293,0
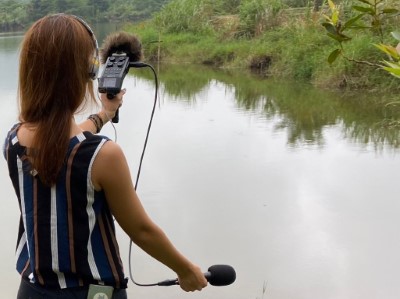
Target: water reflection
10,42
299,109
9,61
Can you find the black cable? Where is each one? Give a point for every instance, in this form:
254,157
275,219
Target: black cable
139,65
150,122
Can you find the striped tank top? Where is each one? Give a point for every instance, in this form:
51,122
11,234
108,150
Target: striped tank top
66,233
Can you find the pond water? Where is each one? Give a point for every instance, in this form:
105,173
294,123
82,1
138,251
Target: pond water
294,187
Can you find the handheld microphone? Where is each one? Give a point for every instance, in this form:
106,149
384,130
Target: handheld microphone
119,52
217,275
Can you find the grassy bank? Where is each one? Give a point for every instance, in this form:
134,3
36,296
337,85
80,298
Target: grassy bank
288,45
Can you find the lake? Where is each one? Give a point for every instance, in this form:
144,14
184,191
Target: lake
296,188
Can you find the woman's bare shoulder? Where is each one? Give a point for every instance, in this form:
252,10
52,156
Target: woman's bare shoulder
110,149
110,164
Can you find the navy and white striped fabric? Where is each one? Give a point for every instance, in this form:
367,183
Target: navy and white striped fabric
66,234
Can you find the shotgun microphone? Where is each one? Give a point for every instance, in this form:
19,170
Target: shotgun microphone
119,52
217,275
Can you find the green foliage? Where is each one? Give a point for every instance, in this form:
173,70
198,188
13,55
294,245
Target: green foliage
12,15
186,16
295,50
132,10
259,34
252,14
371,15
294,53
19,13
296,3
39,8
393,66
199,16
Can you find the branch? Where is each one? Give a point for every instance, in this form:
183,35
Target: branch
361,61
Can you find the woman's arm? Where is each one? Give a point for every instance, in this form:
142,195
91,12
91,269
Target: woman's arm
111,173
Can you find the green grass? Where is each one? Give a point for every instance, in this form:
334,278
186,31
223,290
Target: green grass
296,49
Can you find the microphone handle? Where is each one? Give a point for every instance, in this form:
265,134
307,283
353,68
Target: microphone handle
115,119
207,275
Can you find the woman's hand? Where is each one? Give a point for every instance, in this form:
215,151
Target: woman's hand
192,279
110,107
108,110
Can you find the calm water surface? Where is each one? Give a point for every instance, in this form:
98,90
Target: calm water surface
297,189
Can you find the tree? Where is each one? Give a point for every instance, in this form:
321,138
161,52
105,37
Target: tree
22,12
100,5
12,15
35,9
62,5
48,6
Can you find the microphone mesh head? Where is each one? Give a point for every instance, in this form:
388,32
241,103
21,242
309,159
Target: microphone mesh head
121,43
221,275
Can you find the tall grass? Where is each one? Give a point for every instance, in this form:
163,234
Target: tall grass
243,34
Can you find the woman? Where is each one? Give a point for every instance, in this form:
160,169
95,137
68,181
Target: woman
71,183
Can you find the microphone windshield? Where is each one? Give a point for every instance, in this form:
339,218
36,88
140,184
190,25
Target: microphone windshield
221,275
121,43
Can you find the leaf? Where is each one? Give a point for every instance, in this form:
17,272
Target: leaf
366,2
339,37
329,27
335,17
352,21
394,71
363,9
332,57
327,18
361,27
333,36
390,10
388,50
396,35
332,5
392,65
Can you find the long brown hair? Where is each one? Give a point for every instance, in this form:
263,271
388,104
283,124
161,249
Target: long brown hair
53,82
